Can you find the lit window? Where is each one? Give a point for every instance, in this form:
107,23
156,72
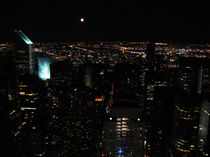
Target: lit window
22,93
118,119
125,119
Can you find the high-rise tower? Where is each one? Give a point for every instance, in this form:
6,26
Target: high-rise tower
29,50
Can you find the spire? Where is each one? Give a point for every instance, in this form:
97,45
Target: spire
24,37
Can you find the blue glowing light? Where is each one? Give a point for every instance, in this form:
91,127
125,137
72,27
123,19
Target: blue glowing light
120,151
44,68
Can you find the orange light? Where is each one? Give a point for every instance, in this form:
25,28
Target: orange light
99,99
23,123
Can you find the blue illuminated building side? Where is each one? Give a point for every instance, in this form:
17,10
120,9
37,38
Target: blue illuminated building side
44,68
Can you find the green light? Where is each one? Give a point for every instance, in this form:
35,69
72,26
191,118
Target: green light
24,37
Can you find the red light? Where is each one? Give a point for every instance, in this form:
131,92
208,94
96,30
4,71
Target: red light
15,30
20,31
30,63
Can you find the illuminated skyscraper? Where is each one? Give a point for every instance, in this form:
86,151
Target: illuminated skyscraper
44,68
185,125
193,83
29,91
30,133
25,58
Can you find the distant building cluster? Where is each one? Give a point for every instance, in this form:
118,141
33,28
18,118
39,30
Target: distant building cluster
104,99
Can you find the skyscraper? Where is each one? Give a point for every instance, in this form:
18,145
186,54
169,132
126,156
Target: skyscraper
24,53
30,133
192,81
204,130
194,75
157,103
185,124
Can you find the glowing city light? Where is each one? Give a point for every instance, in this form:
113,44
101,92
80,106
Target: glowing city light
44,68
120,151
100,98
82,20
27,108
24,37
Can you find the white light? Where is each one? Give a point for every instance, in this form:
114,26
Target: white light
110,118
126,119
28,108
138,119
82,20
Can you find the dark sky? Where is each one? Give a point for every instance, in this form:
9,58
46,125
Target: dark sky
118,20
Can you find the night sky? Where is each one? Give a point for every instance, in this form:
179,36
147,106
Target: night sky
125,21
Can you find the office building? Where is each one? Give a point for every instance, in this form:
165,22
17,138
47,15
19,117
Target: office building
185,124
194,75
24,54
30,134
204,130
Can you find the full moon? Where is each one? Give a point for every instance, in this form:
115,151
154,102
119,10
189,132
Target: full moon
82,20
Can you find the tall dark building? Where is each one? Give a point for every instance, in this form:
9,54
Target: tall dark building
158,111
30,133
154,61
8,108
194,75
192,82
24,54
204,130
185,125
157,104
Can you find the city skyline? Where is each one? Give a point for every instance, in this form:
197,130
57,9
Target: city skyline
108,79
115,99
